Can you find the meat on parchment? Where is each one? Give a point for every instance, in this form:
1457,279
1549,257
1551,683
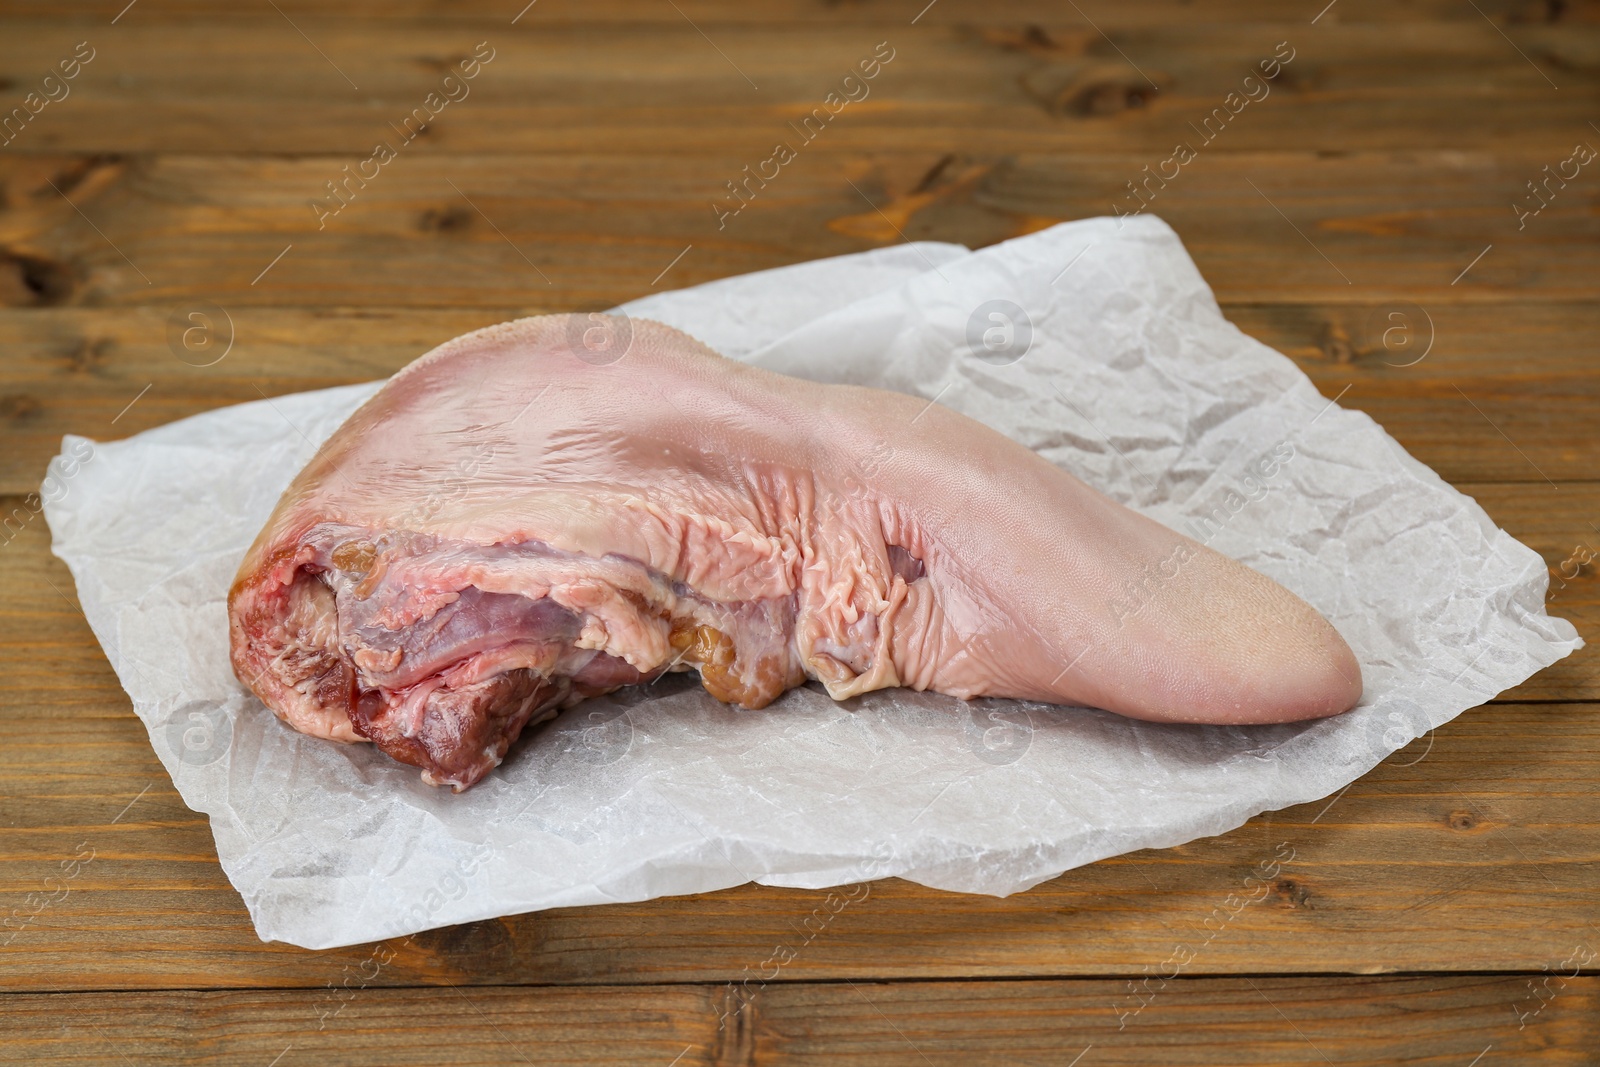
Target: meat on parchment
511,525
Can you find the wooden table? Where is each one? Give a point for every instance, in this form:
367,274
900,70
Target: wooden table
1442,911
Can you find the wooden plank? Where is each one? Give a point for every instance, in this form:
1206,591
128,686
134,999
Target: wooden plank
1511,14
254,82
579,233
641,1025
1474,849
1380,1022
1479,392
1506,393
1440,1021
1422,1021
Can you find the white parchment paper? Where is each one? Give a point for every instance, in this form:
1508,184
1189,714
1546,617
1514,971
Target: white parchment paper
1130,379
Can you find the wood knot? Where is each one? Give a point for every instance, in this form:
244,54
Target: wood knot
1032,39
33,281
931,177
1035,36
470,948
1108,98
1461,820
442,64
1549,12
1090,89
91,173
735,1008
18,406
445,220
88,355
1336,346
1297,79
1292,893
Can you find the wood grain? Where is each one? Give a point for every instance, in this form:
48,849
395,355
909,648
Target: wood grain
1439,1022
257,83
1510,14
1425,909
515,232
356,1026
1435,1022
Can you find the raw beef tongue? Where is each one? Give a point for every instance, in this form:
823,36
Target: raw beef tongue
510,526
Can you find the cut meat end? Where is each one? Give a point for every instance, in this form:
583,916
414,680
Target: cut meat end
451,693
309,661
445,677
457,734
441,652
285,641
533,631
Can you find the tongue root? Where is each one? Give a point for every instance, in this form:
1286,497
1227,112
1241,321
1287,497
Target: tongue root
463,733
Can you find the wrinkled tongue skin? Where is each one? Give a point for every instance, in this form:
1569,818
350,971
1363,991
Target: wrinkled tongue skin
506,529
